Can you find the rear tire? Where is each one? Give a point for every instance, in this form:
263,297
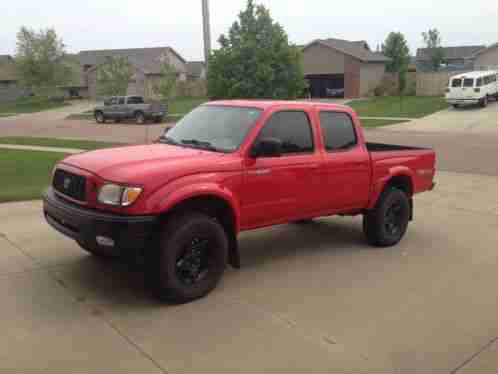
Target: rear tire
158,119
99,117
386,225
190,259
455,106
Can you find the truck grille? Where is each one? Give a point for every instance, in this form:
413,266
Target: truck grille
70,184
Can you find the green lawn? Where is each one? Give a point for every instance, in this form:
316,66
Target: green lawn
61,143
392,106
184,105
378,122
28,105
25,174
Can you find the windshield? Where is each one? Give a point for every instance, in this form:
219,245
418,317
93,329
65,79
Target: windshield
218,128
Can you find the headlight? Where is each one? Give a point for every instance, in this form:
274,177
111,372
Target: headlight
113,194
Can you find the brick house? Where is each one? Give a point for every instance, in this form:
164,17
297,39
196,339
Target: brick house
342,64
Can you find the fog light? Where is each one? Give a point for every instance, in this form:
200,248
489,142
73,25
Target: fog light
104,241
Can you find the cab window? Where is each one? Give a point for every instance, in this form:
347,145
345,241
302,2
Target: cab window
338,131
121,100
293,128
456,83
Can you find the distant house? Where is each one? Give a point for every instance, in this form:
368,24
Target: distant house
487,58
8,76
455,58
196,70
335,64
146,63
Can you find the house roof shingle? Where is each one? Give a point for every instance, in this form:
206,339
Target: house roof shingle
358,49
147,59
462,52
483,50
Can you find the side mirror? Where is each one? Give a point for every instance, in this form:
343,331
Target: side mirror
267,147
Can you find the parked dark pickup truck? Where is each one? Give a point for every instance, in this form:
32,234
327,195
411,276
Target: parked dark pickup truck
130,107
228,167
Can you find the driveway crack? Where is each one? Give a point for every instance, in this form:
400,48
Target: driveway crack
475,355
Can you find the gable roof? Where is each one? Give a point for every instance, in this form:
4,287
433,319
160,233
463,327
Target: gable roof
146,59
357,49
462,52
484,50
195,68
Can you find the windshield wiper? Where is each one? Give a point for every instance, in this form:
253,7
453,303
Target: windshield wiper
167,140
201,144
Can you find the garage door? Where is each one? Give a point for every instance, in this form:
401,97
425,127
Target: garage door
325,85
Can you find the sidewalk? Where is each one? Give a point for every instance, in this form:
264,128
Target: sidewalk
43,149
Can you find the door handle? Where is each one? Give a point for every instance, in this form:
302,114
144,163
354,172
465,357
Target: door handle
259,172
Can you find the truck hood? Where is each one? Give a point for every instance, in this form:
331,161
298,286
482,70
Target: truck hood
136,164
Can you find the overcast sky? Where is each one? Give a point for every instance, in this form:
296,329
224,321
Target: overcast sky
105,24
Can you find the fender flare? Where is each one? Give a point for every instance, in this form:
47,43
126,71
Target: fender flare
177,196
381,183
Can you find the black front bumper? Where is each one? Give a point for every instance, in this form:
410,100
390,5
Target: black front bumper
129,233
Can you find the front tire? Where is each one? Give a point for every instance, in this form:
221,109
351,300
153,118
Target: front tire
484,102
386,225
455,106
139,118
190,259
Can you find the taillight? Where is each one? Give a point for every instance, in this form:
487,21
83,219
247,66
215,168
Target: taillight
477,90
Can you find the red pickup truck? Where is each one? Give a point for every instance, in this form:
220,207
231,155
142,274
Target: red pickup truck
227,167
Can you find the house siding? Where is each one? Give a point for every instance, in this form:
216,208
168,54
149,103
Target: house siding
370,77
352,77
487,59
318,59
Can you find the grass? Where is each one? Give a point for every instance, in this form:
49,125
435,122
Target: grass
379,122
60,143
25,174
29,105
392,106
183,105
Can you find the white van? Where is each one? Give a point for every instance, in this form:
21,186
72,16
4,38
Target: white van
475,87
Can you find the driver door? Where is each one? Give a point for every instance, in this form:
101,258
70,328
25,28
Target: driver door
278,189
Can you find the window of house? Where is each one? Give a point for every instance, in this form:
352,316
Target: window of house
338,131
293,128
468,82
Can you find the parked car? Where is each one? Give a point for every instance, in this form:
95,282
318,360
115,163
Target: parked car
472,88
335,92
228,167
130,107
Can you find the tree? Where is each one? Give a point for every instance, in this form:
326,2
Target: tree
41,60
432,40
114,76
255,60
167,83
396,48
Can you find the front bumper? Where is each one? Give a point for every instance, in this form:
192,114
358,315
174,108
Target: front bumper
127,233
462,101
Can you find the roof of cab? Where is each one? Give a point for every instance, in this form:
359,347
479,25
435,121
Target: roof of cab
266,104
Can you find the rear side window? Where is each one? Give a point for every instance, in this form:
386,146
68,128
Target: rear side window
121,100
479,82
135,100
456,83
468,82
293,129
338,131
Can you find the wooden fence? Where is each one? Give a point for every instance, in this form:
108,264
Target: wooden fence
434,84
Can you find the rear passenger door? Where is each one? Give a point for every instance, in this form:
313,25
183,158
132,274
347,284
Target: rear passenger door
346,168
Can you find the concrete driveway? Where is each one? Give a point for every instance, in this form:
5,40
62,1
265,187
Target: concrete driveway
311,298
470,119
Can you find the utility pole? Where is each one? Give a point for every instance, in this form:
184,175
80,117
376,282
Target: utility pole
207,31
